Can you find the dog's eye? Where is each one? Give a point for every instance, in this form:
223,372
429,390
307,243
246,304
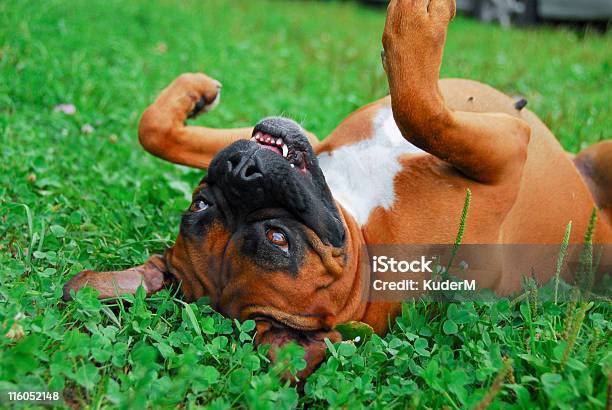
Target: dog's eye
277,238
199,205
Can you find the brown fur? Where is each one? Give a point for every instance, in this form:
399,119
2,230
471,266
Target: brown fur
525,188
595,165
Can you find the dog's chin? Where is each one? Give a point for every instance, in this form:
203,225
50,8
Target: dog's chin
313,342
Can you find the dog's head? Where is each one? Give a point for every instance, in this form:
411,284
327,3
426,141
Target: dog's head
264,240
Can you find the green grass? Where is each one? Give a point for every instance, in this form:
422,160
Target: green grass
72,200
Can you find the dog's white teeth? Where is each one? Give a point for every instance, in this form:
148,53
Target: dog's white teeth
285,151
292,166
279,141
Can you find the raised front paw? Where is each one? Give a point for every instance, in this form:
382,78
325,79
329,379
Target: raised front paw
197,93
413,42
417,24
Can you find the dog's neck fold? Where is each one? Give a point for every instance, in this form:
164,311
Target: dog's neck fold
358,307
355,271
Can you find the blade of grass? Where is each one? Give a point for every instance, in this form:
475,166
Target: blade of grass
562,252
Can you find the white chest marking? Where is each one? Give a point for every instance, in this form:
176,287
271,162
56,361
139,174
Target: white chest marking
361,175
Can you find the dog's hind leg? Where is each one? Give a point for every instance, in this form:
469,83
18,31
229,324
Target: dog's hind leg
595,166
163,130
487,147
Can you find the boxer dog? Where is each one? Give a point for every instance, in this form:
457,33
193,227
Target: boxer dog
276,229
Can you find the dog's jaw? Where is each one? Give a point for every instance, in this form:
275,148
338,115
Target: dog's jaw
355,272
357,306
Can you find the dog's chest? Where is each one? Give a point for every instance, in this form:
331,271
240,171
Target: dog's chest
361,175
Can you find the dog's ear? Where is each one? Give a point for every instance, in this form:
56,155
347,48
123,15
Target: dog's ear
152,275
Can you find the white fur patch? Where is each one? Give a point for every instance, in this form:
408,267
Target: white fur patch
361,175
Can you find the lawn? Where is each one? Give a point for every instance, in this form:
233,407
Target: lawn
78,192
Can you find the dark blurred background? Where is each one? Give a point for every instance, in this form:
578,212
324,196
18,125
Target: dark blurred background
597,13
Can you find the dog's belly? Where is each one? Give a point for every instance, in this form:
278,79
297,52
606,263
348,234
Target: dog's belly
361,175
385,182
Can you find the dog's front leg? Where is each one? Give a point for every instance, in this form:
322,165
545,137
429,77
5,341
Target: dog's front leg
487,147
163,130
152,276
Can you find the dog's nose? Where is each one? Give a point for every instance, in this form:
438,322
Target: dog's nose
244,167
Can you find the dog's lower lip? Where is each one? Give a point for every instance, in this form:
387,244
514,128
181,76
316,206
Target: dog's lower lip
275,323
271,148
282,319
